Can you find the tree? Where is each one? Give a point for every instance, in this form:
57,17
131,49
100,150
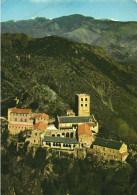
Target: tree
40,158
4,137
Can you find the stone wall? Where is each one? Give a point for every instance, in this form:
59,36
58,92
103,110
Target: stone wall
83,105
85,139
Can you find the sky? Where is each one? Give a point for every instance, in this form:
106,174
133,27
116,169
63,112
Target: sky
123,10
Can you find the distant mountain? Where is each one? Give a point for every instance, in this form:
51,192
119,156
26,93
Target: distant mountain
119,39
46,73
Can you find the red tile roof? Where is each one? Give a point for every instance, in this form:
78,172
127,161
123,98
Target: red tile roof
91,124
125,154
40,125
84,129
21,111
43,115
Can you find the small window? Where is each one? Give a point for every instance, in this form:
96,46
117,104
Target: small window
104,154
81,99
36,134
21,120
103,149
34,141
26,114
81,105
15,119
86,99
85,105
25,120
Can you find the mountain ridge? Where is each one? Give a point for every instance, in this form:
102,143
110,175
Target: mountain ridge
119,39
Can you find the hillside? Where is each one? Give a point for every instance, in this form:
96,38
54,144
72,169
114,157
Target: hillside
119,39
46,73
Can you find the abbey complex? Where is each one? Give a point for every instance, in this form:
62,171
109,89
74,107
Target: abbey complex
76,133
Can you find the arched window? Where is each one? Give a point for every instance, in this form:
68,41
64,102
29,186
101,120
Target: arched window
71,135
67,134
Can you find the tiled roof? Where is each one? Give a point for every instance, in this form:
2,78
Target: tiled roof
43,115
84,129
91,124
75,119
107,143
60,140
21,111
40,125
125,154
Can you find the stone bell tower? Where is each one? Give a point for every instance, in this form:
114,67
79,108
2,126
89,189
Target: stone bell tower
83,104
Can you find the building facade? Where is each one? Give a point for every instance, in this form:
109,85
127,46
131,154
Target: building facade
23,119
60,143
66,132
69,122
83,104
19,120
85,135
110,149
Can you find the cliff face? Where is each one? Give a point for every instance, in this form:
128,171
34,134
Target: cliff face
119,39
46,73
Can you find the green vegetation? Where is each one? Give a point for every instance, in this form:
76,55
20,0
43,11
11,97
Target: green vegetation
45,74
48,173
119,39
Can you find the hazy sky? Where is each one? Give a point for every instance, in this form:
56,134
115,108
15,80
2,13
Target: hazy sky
124,10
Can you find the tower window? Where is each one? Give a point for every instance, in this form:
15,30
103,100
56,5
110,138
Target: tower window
81,105
81,99
86,99
86,105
